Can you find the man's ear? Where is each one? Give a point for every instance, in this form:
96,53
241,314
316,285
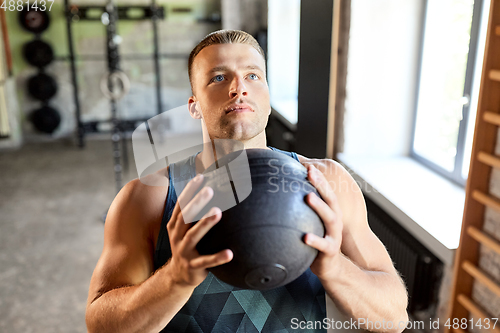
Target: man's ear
194,108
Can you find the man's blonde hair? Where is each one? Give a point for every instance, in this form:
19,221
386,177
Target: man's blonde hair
223,37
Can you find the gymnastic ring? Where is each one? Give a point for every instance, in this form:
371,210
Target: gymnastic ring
117,76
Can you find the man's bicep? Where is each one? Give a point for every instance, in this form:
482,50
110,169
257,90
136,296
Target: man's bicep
367,251
127,256
359,243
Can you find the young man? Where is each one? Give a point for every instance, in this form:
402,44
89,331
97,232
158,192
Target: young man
150,276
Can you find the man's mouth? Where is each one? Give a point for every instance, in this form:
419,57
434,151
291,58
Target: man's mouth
238,108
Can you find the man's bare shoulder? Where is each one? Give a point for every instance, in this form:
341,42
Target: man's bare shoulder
142,201
144,189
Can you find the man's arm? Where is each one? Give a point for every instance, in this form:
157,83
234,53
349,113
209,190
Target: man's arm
123,295
353,264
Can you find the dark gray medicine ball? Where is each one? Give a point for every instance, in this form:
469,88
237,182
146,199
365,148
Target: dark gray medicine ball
266,226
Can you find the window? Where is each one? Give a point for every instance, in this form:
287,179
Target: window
283,56
451,62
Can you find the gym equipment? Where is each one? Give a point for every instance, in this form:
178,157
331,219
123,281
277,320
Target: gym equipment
109,16
42,86
35,21
118,81
113,56
114,84
45,119
265,230
38,53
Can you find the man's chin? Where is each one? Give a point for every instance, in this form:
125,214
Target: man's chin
240,133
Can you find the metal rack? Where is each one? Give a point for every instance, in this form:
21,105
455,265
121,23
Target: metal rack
112,14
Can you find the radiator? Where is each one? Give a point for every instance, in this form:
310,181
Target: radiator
421,270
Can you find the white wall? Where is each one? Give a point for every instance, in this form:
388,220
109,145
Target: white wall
381,79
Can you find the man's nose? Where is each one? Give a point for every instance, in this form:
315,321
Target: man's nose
238,88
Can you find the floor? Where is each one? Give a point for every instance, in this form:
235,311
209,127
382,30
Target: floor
52,200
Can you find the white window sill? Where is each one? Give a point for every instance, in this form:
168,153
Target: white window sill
427,205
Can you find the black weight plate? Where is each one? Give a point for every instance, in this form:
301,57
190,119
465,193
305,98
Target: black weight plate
45,119
35,21
38,53
42,86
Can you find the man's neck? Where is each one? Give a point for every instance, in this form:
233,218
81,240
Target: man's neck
215,149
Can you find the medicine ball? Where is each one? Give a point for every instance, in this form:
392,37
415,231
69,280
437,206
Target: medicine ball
45,119
35,21
42,86
265,230
38,53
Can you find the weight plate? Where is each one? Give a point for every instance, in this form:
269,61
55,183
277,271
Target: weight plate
38,53
42,86
35,21
45,119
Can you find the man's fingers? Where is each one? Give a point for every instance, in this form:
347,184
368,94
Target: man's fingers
188,213
194,207
212,260
326,192
326,245
333,223
183,199
200,229
189,191
324,211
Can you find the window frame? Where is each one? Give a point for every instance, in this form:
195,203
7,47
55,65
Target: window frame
455,175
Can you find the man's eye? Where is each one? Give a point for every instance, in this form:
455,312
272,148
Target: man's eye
218,78
253,76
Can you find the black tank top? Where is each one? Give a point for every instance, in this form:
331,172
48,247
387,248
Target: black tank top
218,307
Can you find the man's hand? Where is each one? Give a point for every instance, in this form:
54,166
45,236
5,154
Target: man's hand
328,209
187,266
352,263
124,296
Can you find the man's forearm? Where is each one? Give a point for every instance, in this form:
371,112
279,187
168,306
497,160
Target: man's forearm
371,295
147,307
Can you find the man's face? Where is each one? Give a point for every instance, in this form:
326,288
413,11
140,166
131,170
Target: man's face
231,91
